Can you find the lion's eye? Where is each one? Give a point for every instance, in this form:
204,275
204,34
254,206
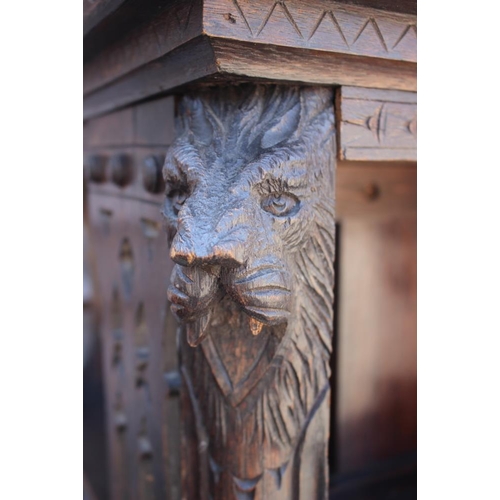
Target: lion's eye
280,204
177,198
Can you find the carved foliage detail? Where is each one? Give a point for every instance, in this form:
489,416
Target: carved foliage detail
250,215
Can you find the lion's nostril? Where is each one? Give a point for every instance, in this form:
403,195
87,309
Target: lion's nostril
183,250
182,258
226,257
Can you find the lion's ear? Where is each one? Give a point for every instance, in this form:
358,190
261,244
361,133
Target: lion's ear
282,130
199,123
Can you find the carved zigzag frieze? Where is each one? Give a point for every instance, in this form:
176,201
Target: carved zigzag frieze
319,24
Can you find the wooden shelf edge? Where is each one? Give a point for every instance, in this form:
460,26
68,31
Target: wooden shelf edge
208,60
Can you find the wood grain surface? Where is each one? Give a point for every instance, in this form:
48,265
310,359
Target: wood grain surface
189,63
317,24
376,370
371,189
317,42
205,60
313,67
137,328
95,11
250,215
376,345
172,25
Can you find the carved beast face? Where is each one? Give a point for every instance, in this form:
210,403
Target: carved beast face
242,190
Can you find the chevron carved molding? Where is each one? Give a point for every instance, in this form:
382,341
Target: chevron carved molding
321,42
317,24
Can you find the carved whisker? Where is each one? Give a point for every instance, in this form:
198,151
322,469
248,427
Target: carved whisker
253,273
265,298
268,315
175,295
256,288
181,277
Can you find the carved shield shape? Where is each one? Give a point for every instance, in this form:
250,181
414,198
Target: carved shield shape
238,359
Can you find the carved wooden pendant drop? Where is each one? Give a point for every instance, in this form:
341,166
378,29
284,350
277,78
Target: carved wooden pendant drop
250,212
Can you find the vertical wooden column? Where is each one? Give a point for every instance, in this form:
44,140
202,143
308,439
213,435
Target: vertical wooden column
250,215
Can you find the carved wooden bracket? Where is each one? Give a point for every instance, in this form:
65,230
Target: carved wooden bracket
250,214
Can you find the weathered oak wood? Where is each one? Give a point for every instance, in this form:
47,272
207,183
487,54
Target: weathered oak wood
176,23
207,61
99,13
253,286
138,331
402,6
187,64
253,280
376,350
317,42
289,64
147,124
364,190
367,189
125,236
317,24
94,11
377,124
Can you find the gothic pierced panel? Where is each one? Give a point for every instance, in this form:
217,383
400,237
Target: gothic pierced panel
138,331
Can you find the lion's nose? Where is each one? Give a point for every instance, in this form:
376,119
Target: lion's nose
187,253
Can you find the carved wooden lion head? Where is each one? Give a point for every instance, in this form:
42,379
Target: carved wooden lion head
242,197
250,215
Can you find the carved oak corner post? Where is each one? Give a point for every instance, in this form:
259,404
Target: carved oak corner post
250,211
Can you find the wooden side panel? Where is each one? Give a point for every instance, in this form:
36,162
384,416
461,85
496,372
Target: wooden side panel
377,124
138,331
375,188
376,386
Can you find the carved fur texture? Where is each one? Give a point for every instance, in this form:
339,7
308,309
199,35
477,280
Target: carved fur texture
250,214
